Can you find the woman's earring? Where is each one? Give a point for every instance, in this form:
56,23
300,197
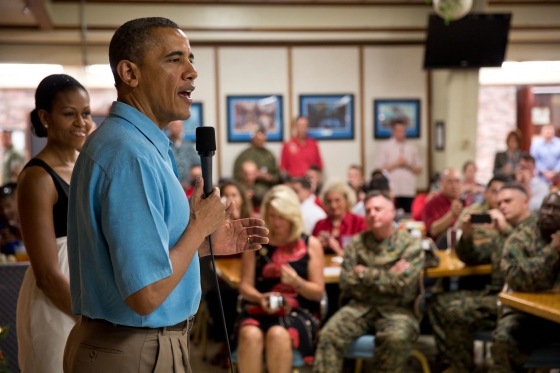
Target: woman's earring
46,126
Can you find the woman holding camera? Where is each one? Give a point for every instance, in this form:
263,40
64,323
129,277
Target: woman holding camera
337,229
282,283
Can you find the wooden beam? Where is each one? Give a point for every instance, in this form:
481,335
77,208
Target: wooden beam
313,3
41,15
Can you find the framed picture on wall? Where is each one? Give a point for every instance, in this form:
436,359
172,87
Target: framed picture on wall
246,114
387,112
331,117
189,125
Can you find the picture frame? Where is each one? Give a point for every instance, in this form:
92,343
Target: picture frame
194,121
246,114
387,111
331,117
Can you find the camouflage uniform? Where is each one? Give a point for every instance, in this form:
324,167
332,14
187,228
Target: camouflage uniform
456,316
262,158
382,303
529,264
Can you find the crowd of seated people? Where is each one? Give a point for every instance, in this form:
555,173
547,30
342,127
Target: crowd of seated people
382,264
282,283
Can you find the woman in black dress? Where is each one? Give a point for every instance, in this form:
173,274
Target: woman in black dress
289,267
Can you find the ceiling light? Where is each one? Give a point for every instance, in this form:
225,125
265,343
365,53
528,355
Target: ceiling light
25,10
531,66
101,69
33,69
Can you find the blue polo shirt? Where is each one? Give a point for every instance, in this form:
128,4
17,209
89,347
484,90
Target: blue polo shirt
127,209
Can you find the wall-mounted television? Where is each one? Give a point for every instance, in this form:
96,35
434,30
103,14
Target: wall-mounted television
477,40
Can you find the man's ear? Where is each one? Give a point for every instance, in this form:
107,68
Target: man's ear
128,72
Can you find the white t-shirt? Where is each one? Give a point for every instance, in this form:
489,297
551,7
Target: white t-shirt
311,213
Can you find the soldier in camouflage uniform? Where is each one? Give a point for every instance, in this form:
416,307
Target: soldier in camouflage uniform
457,315
267,169
380,273
530,263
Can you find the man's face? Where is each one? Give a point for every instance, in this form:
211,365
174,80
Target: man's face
175,128
166,77
380,213
399,131
301,192
470,171
451,184
301,127
491,194
513,204
355,177
6,139
249,173
547,132
314,177
525,171
549,213
8,209
259,140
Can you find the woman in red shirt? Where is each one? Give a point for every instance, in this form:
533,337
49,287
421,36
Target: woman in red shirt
340,225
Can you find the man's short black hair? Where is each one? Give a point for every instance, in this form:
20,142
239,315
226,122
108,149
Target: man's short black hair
132,40
315,168
528,158
514,186
305,184
497,178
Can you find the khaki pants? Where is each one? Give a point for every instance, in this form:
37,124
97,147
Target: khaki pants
99,346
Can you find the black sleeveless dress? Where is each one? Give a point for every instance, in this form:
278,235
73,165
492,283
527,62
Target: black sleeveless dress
60,209
42,328
302,322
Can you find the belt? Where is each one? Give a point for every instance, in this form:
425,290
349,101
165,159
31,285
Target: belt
183,325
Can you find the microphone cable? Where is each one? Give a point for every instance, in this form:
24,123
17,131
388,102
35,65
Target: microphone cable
220,303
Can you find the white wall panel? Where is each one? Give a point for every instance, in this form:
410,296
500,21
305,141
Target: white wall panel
330,70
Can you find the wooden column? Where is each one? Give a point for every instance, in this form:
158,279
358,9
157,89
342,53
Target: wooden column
524,123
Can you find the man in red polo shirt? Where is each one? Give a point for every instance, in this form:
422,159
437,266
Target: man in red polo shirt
442,210
301,152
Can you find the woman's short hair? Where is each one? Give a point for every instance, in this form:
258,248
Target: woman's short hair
339,186
286,203
516,134
245,208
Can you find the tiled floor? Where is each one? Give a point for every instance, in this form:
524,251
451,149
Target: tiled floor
425,344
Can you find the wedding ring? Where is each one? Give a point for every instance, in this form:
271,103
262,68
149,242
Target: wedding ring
249,240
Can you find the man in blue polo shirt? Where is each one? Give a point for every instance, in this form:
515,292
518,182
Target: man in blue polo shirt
134,239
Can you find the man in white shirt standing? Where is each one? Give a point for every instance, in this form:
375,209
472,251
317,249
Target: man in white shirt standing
401,159
309,209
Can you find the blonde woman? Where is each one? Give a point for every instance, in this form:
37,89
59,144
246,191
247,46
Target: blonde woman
340,225
282,283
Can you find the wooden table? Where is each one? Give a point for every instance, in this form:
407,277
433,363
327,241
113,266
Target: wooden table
450,265
544,304
229,270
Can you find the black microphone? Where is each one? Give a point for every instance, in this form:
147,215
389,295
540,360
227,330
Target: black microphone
206,148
